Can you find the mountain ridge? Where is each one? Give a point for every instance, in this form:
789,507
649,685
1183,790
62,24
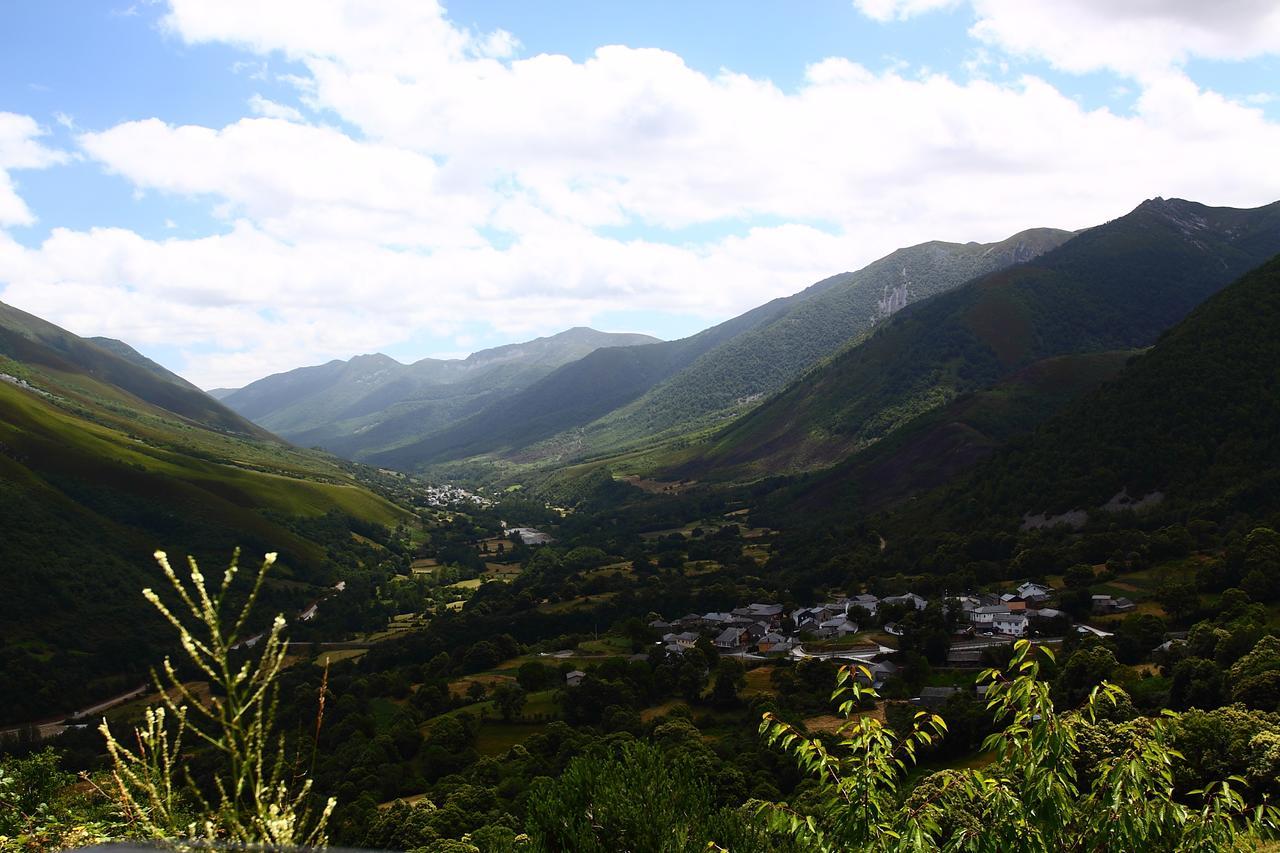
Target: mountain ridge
1114,286
678,385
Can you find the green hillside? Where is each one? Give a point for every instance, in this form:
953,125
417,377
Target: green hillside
616,400
739,373
93,478
1117,286
39,344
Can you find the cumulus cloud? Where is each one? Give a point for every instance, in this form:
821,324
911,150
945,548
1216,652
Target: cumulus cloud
464,184
296,181
20,148
1133,37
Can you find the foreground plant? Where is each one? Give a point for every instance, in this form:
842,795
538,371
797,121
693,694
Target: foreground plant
1030,799
256,797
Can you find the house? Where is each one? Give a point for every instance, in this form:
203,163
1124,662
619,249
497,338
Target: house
714,619
1106,604
867,602
1010,624
683,640
732,639
1034,592
880,672
840,626
775,644
807,616
771,613
573,679
659,625
907,598
1097,632
984,616
1041,619
893,629
529,535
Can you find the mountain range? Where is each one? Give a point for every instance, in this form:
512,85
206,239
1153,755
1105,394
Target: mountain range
622,394
372,402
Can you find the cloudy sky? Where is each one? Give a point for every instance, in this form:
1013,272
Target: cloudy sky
238,187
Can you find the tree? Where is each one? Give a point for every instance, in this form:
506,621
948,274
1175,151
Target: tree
1197,683
1079,576
534,676
1087,667
1255,678
510,699
1030,799
634,798
730,678
1137,635
1180,601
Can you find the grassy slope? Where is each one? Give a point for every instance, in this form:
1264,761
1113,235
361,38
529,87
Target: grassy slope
92,480
27,339
1113,287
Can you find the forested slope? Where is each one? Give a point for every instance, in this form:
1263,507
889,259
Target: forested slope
1117,286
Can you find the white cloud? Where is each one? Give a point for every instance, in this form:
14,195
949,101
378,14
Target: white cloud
351,238
296,181
889,10
267,108
20,148
1137,38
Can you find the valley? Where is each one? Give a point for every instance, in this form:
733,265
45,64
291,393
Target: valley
473,635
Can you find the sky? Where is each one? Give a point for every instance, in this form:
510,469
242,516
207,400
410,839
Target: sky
241,187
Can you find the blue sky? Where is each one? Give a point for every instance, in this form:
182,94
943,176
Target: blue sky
238,191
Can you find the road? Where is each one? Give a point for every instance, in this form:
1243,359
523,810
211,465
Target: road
55,725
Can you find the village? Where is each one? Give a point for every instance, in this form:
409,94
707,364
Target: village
830,630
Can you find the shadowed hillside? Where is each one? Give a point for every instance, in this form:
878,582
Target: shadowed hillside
1116,286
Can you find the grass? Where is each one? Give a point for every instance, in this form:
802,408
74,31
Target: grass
496,737
460,686
759,682
571,604
330,658
607,646
383,711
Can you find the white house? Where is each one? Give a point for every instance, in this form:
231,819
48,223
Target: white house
1010,624
1032,591
987,615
